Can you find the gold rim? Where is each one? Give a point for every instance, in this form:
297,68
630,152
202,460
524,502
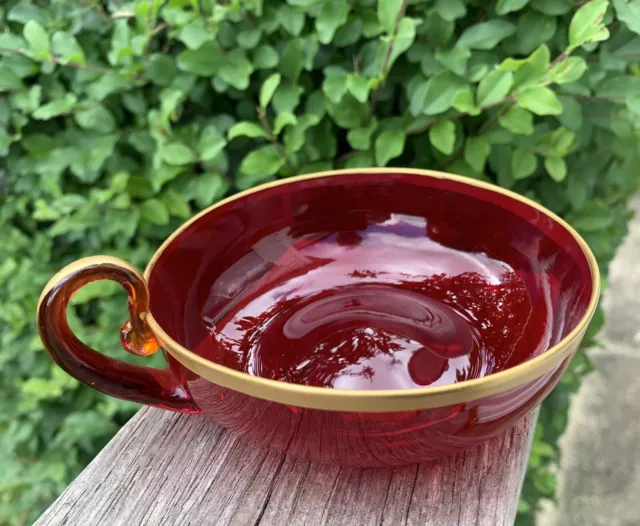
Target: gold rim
382,400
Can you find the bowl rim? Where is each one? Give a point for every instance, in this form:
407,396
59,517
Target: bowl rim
388,400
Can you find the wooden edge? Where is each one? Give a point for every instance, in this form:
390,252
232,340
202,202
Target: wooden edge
165,468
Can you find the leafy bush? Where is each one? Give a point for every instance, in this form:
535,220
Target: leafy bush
120,119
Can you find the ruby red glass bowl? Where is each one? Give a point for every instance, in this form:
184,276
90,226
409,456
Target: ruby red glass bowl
370,317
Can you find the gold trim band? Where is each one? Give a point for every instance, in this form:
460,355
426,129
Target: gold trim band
383,400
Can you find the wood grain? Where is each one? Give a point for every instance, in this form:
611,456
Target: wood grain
169,469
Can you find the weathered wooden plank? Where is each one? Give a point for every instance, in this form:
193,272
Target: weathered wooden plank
167,469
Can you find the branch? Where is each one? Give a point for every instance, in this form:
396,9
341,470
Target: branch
347,156
387,59
559,59
98,7
76,65
262,117
488,126
600,97
152,34
247,18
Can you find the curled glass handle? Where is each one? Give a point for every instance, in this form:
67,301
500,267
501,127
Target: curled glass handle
145,385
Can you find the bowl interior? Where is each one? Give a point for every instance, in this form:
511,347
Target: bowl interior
371,281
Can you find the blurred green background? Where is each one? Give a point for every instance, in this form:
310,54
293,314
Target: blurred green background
121,119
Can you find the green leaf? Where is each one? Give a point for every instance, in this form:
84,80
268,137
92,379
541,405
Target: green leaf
628,12
507,6
262,162
556,168
121,51
99,289
557,143
162,175
389,145
176,204
205,61
539,58
195,33
388,12
177,154
461,167
291,19
282,120
533,30
586,25
268,88
292,60
476,151
360,138
27,100
265,57
249,38
66,48
360,160
37,38
464,102
246,129
21,65
12,41
315,106
454,60
569,70
404,38
155,211
294,136
440,92
530,70
9,81
633,103
615,86
358,86
335,86
486,35
494,87
523,163
23,12
160,69
96,118
236,69
571,116
302,3
552,7
88,158
206,189
540,100
451,9
348,113
517,120
211,143
106,85
56,108
438,31
350,33
594,222
287,98
333,15
443,136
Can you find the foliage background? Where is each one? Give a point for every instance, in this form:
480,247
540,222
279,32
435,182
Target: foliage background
120,119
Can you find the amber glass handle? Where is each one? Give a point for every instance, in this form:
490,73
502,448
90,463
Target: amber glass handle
145,385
